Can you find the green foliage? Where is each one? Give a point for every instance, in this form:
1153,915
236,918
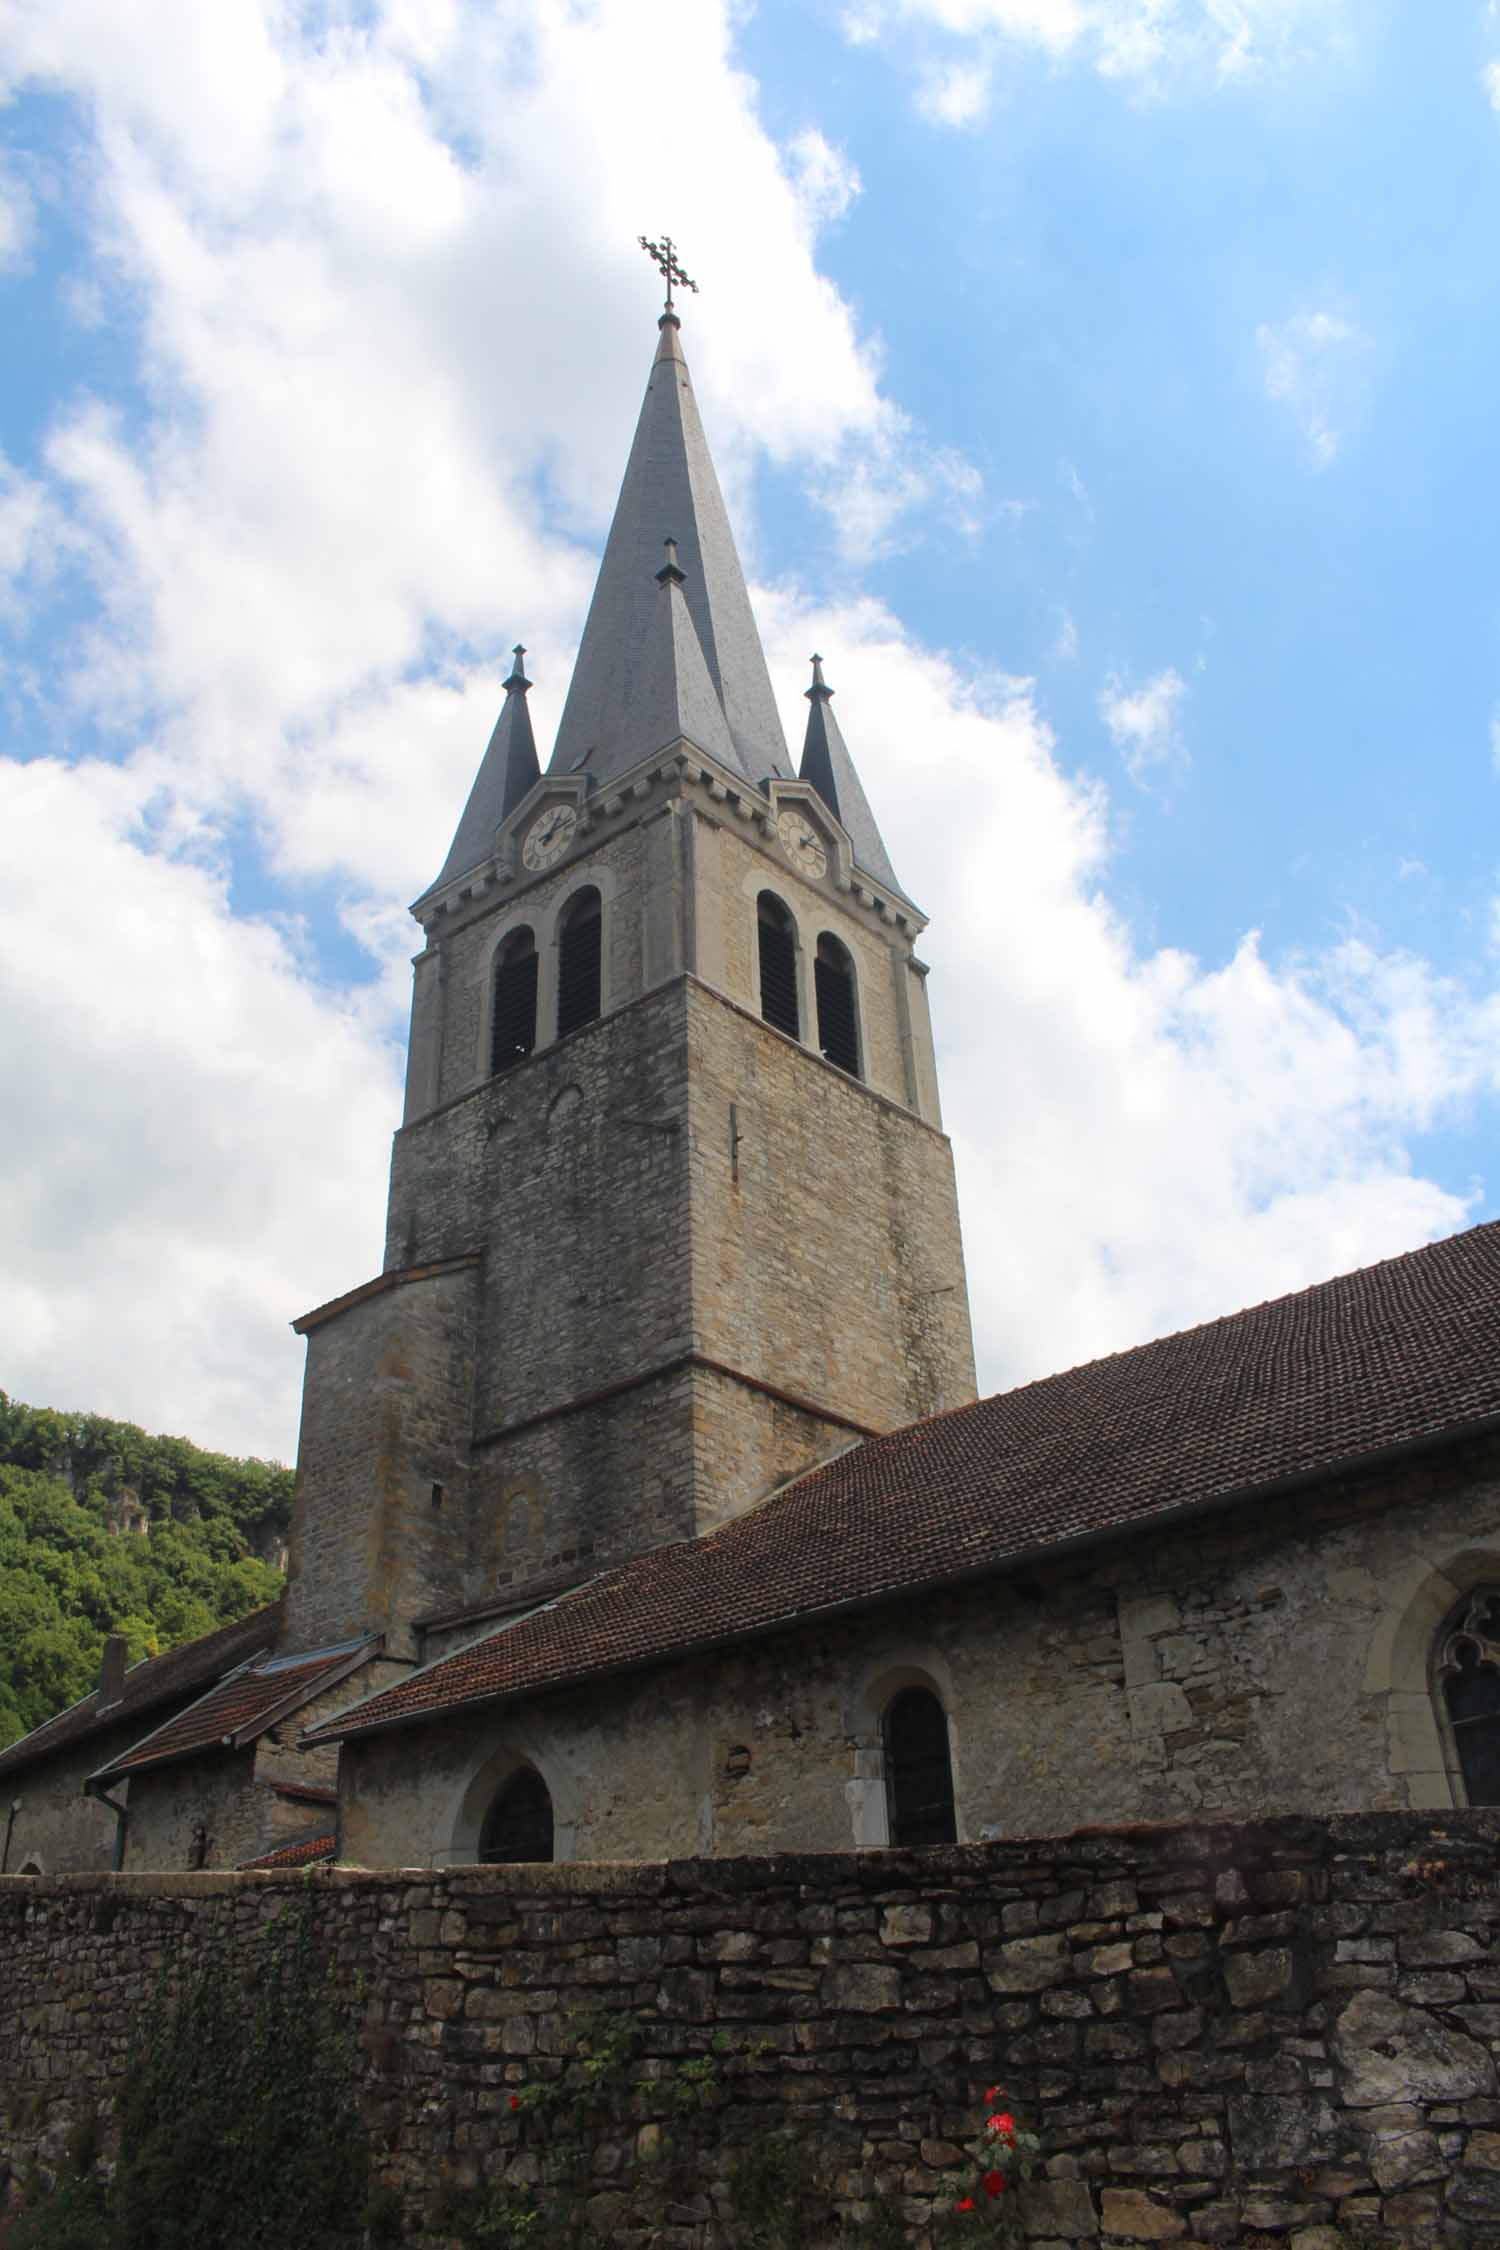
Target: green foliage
239,2121
67,1579
778,2198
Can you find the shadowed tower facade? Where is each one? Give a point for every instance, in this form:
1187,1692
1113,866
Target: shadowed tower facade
672,1215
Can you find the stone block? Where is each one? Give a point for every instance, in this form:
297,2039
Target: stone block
1390,2053
1138,2217
906,1925
1259,1979
1152,1990
1028,1964
862,1987
1061,2210
1270,2131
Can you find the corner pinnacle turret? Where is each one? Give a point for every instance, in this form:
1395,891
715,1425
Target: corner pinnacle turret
509,768
826,763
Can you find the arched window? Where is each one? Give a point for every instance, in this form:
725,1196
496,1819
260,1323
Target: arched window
513,1016
1467,1675
838,1025
31,1867
918,1769
579,961
518,1825
778,965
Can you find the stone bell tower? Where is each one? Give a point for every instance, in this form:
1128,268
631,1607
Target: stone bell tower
672,1216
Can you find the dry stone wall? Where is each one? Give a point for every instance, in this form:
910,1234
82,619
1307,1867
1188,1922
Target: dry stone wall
1267,2034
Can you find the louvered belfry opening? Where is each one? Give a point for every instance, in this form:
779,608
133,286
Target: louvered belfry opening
838,1024
579,962
513,1020
778,965
518,1825
918,1770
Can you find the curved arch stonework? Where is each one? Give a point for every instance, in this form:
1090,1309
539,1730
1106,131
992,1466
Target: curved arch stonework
483,1786
915,1665
1418,1602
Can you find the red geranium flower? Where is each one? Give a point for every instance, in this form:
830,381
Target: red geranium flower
515,2101
994,2183
967,2204
993,2094
1005,2124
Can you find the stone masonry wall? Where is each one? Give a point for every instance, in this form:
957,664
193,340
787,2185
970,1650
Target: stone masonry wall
1238,1663
380,1522
1264,2034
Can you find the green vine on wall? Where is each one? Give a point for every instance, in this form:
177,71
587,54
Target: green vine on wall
239,2120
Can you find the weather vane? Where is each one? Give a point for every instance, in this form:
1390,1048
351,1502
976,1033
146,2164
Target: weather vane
664,253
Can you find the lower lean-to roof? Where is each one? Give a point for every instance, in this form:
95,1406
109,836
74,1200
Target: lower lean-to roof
1401,1355
149,1686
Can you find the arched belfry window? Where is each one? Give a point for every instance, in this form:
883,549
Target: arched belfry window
918,1769
838,1024
580,960
778,965
513,1013
1467,1678
518,1825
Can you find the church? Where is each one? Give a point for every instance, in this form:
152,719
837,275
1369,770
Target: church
645,1508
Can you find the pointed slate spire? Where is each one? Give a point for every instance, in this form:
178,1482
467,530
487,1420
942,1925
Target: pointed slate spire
669,480
826,763
507,770
674,696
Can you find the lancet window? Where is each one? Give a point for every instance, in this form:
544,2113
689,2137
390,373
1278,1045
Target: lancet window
778,965
580,961
838,1021
518,1825
918,1769
513,1012
1467,1680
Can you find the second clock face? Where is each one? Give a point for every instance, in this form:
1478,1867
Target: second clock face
801,842
549,836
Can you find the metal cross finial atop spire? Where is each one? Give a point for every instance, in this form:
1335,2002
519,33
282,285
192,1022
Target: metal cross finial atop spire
664,254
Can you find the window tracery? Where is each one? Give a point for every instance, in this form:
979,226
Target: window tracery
1467,1677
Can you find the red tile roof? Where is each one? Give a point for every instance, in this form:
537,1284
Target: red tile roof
1404,1353
303,1851
181,1672
241,1706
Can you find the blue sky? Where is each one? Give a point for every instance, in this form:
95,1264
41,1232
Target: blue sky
1106,385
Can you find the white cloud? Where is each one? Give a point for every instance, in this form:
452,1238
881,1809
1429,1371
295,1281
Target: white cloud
1490,80
955,94
1144,721
17,219
1314,365
823,178
194,1138
1148,44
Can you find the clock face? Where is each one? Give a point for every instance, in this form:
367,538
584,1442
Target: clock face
801,842
549,836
